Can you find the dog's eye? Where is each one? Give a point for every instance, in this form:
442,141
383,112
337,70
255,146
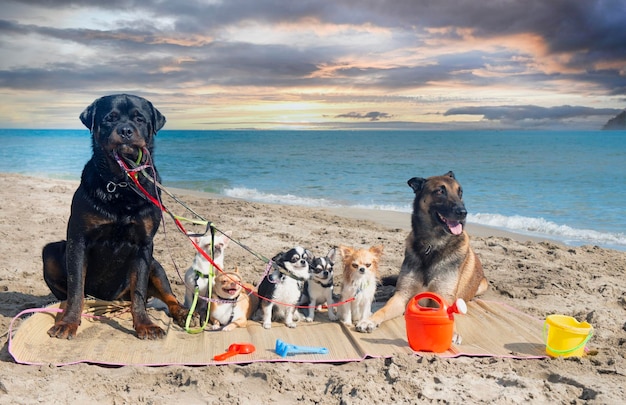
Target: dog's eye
295,259
112,117
137,117
355,266
460,193
440,191
368,265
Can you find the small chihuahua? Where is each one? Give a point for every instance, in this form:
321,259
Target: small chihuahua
231,303
284,285
319,288
198,273
360,276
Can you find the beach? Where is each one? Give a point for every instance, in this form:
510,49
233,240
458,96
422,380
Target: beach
538,277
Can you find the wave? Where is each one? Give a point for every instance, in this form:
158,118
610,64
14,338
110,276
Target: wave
517,224
290,199
287,199
542,227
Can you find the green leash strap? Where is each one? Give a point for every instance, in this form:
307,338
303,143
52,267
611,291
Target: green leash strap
197,292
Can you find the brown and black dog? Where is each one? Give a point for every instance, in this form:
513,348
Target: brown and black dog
108,251
438,257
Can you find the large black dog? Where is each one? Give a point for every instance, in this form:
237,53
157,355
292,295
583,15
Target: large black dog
108,252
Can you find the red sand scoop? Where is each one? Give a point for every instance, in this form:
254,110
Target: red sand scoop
235,348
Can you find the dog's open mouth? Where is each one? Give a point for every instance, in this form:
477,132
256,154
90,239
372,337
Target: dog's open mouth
455,227
231,291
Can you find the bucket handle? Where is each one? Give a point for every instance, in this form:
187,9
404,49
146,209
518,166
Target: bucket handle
582,344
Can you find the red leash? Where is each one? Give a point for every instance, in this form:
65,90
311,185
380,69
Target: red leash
132,173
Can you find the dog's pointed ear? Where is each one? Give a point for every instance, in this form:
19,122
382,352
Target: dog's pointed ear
278,257
416,183
331,255
345,251
87,117
377,250
309,256
450,174
226,238
158,119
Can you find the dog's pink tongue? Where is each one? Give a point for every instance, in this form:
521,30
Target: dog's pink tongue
455,227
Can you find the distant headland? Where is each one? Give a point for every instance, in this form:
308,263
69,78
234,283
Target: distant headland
618,122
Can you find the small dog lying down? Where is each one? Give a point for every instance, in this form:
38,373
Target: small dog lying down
231,304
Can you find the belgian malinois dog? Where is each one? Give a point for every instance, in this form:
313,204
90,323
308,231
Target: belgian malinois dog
438,257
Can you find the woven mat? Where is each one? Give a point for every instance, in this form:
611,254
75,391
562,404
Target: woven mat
106,337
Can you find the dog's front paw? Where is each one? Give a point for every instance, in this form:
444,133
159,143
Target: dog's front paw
332,315
307,319
366,326
63,330
149,331
267,325
180,317
290,324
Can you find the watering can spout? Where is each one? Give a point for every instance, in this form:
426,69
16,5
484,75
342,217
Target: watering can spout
459,307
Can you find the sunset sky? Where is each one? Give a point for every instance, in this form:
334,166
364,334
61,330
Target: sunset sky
300,64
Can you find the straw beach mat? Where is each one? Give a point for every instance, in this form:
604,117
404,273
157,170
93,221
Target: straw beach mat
106,336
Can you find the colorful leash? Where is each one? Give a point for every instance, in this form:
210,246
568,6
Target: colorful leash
133,174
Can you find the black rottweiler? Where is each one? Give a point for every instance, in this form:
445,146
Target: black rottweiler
108,252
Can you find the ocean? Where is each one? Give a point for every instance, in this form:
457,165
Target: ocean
565,186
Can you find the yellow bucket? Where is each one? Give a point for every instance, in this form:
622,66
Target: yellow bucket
565,336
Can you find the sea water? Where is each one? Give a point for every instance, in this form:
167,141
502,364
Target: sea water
568,186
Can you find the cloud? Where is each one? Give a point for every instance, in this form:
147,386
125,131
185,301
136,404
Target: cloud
371,116
438,55
512,113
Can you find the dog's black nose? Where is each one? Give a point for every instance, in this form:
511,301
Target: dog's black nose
125,132
460,212
362,270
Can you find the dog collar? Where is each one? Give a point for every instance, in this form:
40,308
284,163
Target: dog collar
221,300
327,285
200,274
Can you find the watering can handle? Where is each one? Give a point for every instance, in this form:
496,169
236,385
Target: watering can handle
429,295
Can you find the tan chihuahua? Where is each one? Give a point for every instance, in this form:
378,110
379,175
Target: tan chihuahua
360,276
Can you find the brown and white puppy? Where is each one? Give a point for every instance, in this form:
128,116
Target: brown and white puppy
438,257
360,276
232,303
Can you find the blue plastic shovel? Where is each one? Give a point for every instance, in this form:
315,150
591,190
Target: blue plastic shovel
284,349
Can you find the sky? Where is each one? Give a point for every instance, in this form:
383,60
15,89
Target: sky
318,64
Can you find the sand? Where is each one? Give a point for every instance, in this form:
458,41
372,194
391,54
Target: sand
537,277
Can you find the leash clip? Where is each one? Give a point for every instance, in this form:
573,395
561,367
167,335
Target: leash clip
111,186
